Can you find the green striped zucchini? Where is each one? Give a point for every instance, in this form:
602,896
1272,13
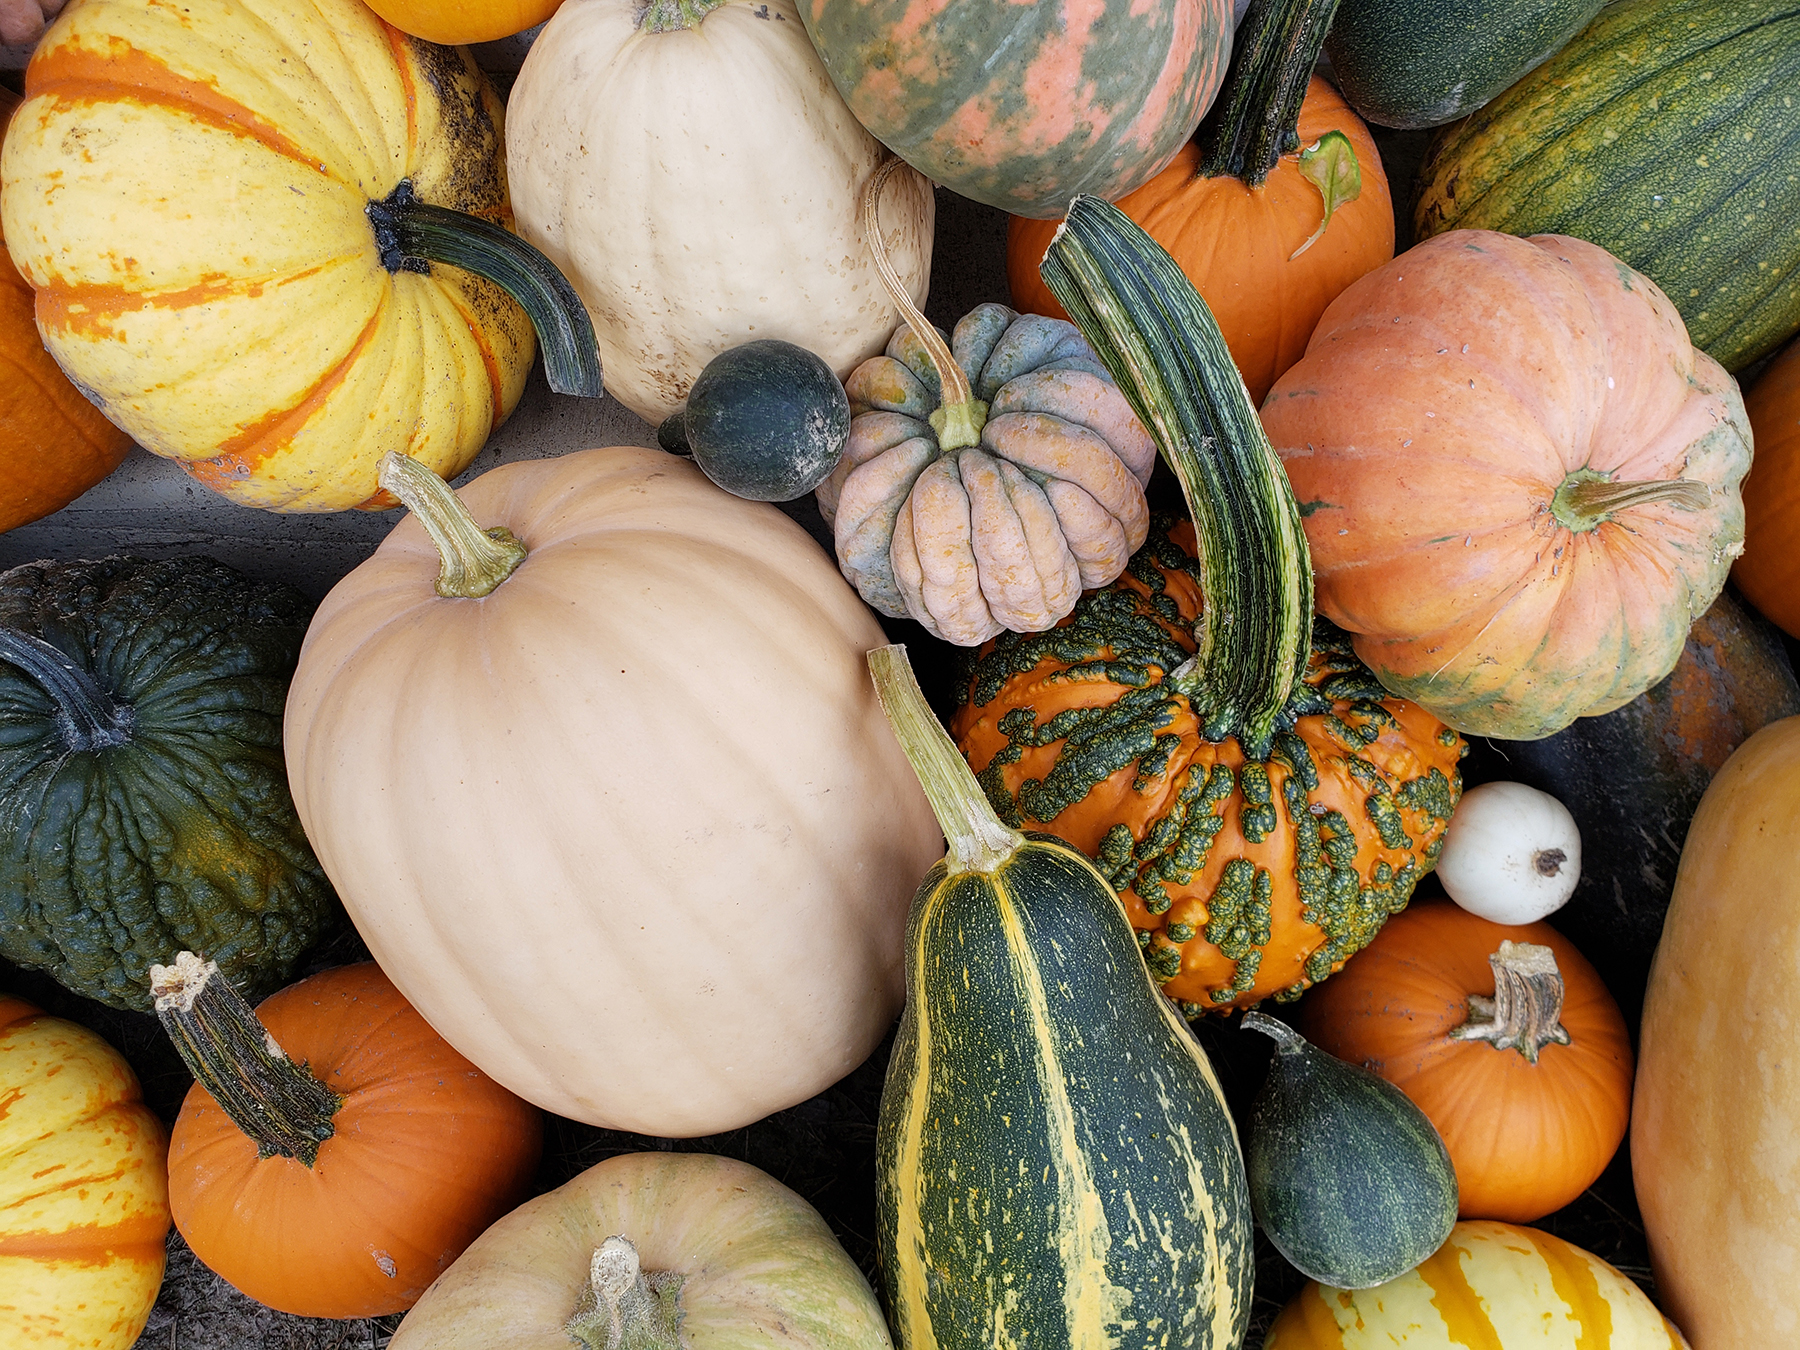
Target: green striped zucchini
1667,132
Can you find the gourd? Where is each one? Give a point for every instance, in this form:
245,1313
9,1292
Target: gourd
334,1155
767,420
144,804
689,167
719,1248
1055,1163
1491,1284
1504,1036
1665,134
1277,202
1512,854
1718,1088
1347,1177
462,21
277,336
1521,479
1258,801
84,1197
1025,107
988,480
625,828
1768,573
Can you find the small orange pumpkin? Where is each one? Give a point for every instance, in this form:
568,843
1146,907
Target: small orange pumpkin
1769,572
457,22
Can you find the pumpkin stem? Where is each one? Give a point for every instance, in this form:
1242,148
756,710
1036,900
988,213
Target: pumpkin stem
472,561
1149,325
1525,1013
87,716
1588,498
960,415
276,1102
1254,121
625,1308
671,16
411,235
977,840
1287,1040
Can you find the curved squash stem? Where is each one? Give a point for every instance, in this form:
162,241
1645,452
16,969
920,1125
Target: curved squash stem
1525,1013
88,717
1254,121
472,561
1287,1040
978,841
279,1104
624,1307
1588,499
960,415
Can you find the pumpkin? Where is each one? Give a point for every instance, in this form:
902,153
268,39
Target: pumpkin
649,870
1023,108
84,1197
767,420
1665,134
276,338
143,795
1262,809
1492,1285
1768,573
334,1155
689,167
1512,854
454,24
1521,479
715,1246
1504,1036
1275,205
1718,1087
1035,1060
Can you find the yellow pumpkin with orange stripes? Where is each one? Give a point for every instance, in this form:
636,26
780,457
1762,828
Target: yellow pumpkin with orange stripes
84,1188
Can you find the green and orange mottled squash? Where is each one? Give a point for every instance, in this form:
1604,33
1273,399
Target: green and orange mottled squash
1768,573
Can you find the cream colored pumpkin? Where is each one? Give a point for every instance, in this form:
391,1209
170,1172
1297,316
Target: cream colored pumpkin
630,831
699,187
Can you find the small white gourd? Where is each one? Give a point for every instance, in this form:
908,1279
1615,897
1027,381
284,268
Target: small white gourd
1511,854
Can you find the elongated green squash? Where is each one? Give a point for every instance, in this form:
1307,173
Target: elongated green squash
1056,1164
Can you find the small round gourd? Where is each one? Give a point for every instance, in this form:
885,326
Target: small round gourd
767,420
1511,855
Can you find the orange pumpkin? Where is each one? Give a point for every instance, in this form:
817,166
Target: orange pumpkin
1769,572
1519,1057
344,1180
455,22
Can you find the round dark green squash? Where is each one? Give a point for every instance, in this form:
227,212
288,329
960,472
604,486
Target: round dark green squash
144,806
1668,133
766,420
1348,1178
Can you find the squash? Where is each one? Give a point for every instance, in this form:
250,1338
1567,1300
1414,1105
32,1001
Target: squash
1665,134
717,1246
1521,480
1275,205
143,796
454,24
1718,1087
689,167
1347,1177
1261,806
279,337
84,1197
1504,1036
1491,1285
1055,1162
1023,107
987,480
334,1155
22,21
767,420
1512,854
627,828
1768,573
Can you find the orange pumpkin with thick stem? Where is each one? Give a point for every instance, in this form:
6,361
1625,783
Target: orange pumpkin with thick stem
1769,572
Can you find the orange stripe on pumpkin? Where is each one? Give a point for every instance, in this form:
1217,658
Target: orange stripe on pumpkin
138,1238
89,311
1465,1319
1573,1279
401,45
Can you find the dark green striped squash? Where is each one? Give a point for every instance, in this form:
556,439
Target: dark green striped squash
1056,1164
1668,133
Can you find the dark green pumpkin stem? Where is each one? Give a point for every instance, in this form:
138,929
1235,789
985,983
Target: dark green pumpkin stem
1587,499
279,1104
1525,1013
412,235
87,716
1149,325
625,1307
472,562
1253,122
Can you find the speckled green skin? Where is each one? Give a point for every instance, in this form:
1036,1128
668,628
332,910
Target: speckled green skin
767,420
1668,133
183,837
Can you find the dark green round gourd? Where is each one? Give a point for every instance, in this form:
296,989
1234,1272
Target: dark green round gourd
1348,1178
766,420
144,806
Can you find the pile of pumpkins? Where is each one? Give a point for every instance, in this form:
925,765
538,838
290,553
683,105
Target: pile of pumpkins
1191,764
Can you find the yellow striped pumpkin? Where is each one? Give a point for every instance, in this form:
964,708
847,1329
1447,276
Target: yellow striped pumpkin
187,187
84,1188
1491,1286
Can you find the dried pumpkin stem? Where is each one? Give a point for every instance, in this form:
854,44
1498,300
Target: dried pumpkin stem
1254,121
978,841
472,562
625,1307
1287,1040
1525,1013
1588,499
672,16
87,716
279,1104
